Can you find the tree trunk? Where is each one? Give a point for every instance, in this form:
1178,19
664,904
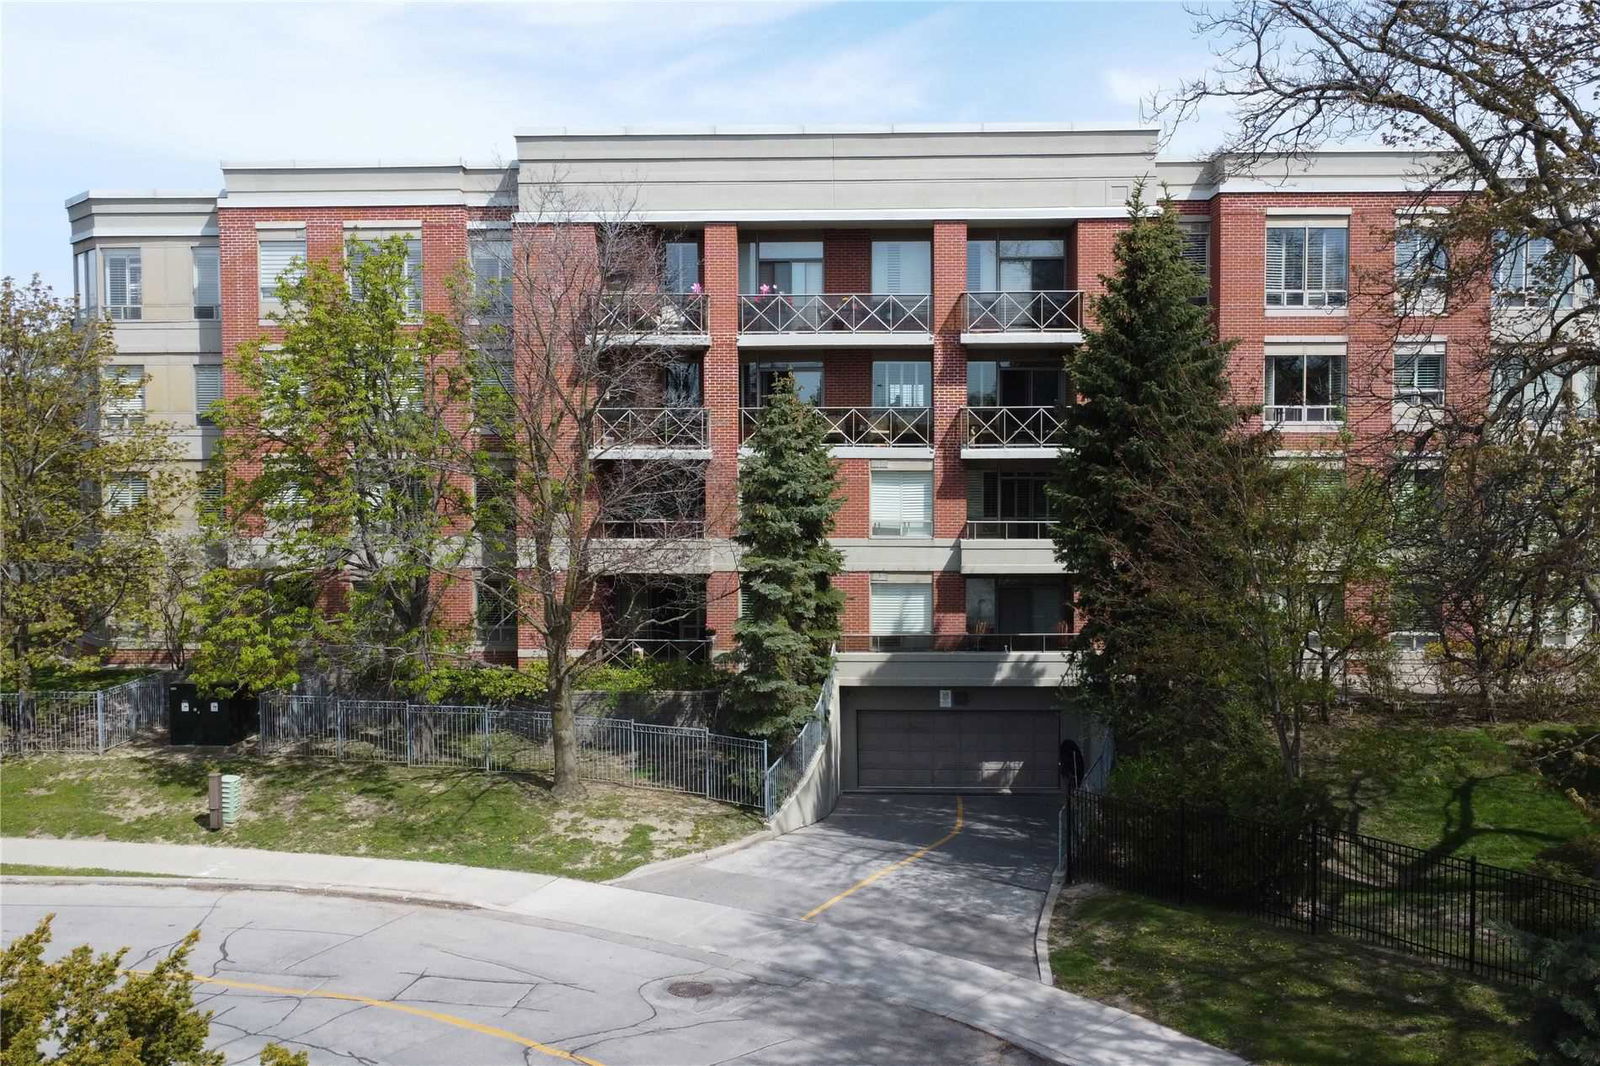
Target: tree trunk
563,730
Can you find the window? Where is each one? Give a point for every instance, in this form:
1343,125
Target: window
1305,388
86,280
1016,266
1017,605
124,283
793,267
275,258
1007,384
897,384
126,408
1421,269
1307,266
356,249
491,274
125,492
1414,621
1528,272
1197,249
902,607
208,504
761,378
496,610
683,266
902,503
904,267
207,284
1008,504
207,391
1555,391
1419,375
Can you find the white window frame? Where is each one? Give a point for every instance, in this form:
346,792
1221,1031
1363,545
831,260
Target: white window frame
1411,388
1306,296
131,309
1513,265
902,383
207,304
268,285
202,404
894,495
1289,416
124,492
126,411
902,622
491,288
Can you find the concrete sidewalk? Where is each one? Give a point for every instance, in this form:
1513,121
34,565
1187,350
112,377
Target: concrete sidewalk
1046,1021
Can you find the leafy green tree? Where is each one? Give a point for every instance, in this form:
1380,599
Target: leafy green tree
1151,377
348,463
83,501
788,490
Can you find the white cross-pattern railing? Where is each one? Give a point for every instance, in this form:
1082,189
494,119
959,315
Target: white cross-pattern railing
1012,427
653,528
834,313
955,642
654,427
629,649
868,426
1046,311
656,313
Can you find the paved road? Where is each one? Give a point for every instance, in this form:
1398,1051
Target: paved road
976,896
367,981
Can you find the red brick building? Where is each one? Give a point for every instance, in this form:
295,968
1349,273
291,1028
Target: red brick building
924,287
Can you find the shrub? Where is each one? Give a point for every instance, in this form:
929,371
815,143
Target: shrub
1566,1015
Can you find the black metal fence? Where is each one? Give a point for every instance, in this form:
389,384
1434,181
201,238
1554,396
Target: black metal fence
1460,913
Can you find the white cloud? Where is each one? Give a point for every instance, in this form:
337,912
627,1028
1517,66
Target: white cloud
1133,88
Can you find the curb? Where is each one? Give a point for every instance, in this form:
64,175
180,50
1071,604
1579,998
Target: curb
1041,931
760,836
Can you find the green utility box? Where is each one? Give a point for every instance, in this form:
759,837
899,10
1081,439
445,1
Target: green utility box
232,797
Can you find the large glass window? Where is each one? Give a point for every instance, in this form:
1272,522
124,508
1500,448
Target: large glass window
277,257
124,283
900,607
1305,388
1008,504
1421,265
1016,265
1419,376
1528,272
357,249
207,391
902,503
125,492
127,407
491,273
902,384
496,610
790,267
1307,266
1197,247
1017,605
760,379
1003,383
86,279
903,267
682,267
207,284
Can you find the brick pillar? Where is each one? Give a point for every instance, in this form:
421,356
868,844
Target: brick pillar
846,261
722,608
1092,242
949,604
949,380
720,382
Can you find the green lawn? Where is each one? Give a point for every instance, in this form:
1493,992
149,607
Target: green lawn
23,869
460,816
1464,790
1276,997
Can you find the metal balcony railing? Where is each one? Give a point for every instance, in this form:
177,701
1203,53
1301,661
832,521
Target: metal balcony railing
1008,529
650,312
627,649
653,528
868,426
1049,311
954,642
653,427
834,313
1011,427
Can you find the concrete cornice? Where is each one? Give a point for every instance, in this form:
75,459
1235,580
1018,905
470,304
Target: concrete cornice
833,129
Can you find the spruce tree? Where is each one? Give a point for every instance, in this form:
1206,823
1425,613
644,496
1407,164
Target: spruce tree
788,490
1153,401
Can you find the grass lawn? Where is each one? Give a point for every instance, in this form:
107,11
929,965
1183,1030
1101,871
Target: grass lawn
1277,997
23,869
460,816
1462,789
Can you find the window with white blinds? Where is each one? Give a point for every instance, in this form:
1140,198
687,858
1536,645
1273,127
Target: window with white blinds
902,503
902,384
902,267
207,284
491,274
902,607
207,391
1197,247
276,257
1307,266
124,282
125,492
1419,375
127,406
1528,273
413,268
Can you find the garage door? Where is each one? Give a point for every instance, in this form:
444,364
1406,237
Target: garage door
957,749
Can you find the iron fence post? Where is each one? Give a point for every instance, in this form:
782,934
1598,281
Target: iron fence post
338,730
100,722
707,750
1316,874
1472,914
1183,852
486,737
766,782
408,735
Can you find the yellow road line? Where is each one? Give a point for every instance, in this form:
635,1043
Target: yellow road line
384,1004
892,867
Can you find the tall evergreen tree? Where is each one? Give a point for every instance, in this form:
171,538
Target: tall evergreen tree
788,491
1153,397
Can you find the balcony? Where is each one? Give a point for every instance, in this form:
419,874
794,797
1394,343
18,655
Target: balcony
834,319
663,318
868,427
1008,529
954,642
1007,318
653,528
633,649
1019,432
652,432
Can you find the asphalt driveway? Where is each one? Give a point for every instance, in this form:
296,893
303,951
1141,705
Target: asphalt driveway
977,895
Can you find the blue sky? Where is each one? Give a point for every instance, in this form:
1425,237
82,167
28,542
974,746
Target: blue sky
154,95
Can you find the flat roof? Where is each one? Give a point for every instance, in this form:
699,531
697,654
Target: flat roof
833,130
141,194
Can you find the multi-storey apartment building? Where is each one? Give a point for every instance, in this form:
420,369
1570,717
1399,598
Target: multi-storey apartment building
924,286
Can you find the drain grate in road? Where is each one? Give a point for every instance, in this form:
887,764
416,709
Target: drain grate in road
689,989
